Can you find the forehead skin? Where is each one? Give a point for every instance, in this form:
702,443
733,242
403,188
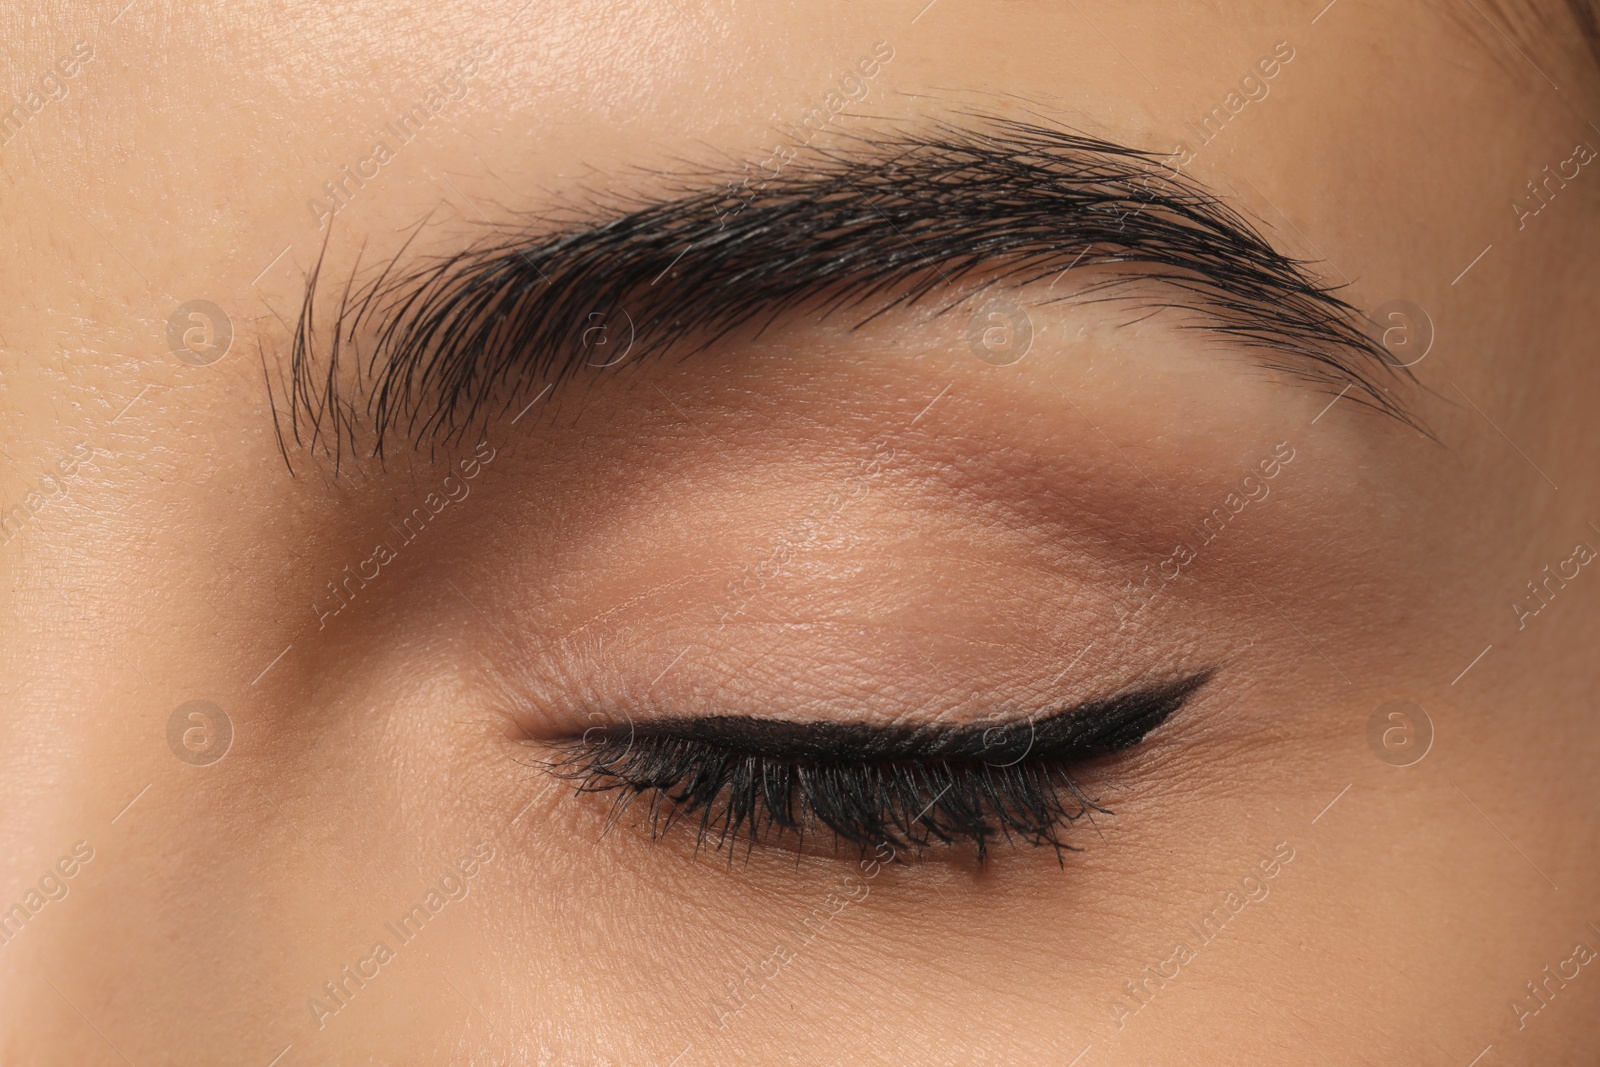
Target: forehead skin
176,559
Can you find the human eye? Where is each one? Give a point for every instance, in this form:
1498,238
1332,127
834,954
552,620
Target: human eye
732,506
735,781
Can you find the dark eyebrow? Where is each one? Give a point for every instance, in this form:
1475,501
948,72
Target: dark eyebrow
875,224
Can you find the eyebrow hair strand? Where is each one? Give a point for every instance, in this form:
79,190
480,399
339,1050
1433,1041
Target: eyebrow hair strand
875,225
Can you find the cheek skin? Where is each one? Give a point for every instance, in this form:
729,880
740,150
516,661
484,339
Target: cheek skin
1013,522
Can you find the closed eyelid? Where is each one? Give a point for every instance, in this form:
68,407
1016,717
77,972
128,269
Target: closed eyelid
752,779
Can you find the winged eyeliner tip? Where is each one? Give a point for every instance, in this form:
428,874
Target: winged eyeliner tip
870,785
1083,730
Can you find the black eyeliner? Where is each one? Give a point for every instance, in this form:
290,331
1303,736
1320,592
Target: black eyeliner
911,787
1080,732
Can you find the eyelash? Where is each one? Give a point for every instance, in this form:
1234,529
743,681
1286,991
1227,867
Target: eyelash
912,805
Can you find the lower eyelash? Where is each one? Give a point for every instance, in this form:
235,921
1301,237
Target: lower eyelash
915,804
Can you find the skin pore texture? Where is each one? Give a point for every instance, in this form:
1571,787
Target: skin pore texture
847,518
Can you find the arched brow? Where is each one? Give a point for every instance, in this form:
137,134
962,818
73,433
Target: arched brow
875,224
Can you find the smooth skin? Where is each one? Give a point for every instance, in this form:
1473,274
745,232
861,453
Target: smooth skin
988,556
